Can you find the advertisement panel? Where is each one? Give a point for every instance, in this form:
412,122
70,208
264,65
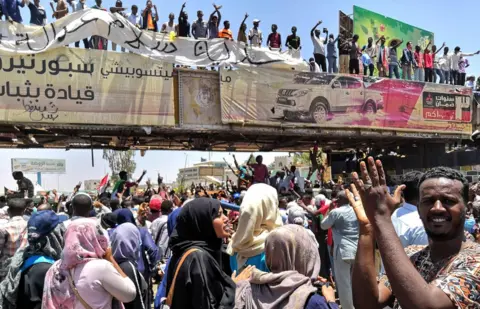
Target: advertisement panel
199,98
78,86
304,99
52,166
370,24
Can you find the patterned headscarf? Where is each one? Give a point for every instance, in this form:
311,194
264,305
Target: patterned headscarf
84,241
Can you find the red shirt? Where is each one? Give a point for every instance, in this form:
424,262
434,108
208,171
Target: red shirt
260,172
274,40
428,60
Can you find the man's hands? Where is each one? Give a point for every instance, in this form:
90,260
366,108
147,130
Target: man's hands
372,188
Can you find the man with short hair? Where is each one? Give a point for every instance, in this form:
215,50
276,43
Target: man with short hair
407,62
11,10
274,39
81,205
200,27
25,186
344,227
214,22
354,66
119,9
255,35
293,40
371,51
319,47
443,274
260,174
170,25
183,24
13,234
134,17
226,33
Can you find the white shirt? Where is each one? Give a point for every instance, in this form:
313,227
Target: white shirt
456,58
169,29
409,226
445,62
318,46
316,68
135,19
256,35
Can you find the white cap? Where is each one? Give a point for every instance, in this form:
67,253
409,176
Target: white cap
256,20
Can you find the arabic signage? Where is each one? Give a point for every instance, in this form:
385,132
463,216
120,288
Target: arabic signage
78,86
302,99
199,98
24,39
52,166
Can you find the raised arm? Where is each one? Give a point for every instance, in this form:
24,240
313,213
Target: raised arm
312,32
181,13
326,38
141,177
439,49
243,21
366,291
236,163
400,43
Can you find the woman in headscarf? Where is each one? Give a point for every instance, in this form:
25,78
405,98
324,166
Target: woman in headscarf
126,246
149,253
87,275
198,280
293,260
162,288
259,215
23,286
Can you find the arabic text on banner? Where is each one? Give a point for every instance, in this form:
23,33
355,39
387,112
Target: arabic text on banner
54,166
78,86
264,96
24,39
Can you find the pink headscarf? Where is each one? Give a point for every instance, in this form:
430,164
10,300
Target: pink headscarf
84,241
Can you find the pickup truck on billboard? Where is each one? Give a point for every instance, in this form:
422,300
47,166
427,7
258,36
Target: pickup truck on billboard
317,97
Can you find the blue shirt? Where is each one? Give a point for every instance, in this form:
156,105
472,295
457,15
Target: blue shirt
409,226
258,261
344,225
11,8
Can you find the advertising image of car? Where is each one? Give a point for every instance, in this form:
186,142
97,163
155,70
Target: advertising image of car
317,97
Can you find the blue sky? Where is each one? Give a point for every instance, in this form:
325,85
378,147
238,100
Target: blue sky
453,24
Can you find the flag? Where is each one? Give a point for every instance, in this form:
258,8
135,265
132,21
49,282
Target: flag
102,187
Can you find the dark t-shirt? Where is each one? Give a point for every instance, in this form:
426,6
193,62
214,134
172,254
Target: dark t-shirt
294,41
140,286
30,290
37,14
184,28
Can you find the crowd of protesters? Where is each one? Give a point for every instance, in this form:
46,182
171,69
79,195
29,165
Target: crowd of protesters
392,59
266,241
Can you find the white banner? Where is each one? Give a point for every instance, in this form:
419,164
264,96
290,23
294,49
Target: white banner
22,39
52,166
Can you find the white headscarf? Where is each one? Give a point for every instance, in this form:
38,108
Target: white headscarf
259,215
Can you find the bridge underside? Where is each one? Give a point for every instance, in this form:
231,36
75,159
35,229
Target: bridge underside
214,138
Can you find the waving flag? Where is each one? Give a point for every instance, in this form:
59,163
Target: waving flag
102,186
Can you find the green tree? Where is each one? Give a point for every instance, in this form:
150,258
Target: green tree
120,161
301,159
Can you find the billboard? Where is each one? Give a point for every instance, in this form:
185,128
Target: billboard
52,166
304,99
199,98
370,24
79,86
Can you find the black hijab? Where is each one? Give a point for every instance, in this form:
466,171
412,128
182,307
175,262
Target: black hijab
194,229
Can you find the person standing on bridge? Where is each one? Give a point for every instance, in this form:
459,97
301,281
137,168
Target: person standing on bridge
319,47
260,170
25,186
